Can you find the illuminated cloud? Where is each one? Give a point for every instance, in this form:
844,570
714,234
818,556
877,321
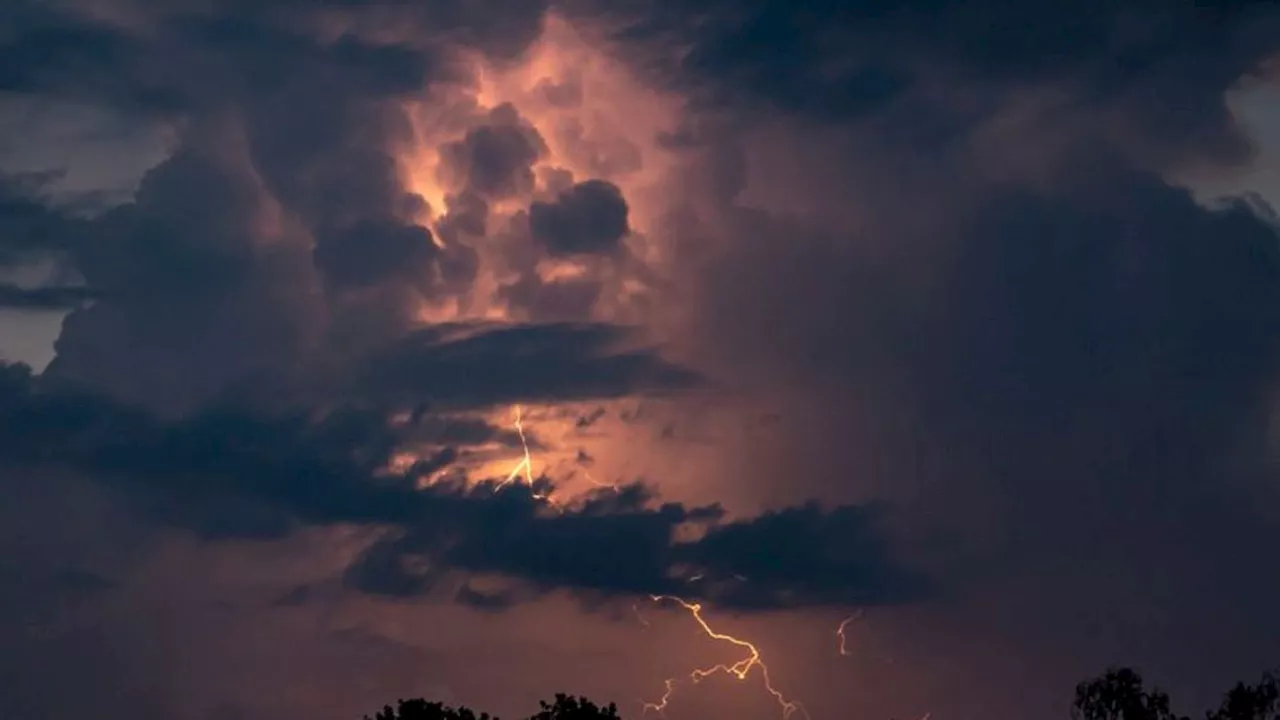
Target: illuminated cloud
942,246
230,474
495,159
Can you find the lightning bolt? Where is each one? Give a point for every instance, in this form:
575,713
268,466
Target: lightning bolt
526,463
599,484
524,468
840,631
523,471
739,669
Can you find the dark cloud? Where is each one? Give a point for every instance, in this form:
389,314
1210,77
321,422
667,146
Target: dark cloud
31,229
368,254
481,365
615,543
495,159
1031,336
279,229
590,217
839,60
42,298
183,272
45,47
226,473
945,238
958,233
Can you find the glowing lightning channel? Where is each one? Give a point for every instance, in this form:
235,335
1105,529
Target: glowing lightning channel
602,485
526,464
739,669
840,631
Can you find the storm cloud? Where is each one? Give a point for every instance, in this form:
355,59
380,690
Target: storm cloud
957,254
590,217
229,474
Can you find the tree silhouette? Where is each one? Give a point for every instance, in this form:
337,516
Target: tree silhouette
419,709
1119,694
565,707
568,707
1251,702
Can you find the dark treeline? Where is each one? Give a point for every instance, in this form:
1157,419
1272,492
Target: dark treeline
1119,694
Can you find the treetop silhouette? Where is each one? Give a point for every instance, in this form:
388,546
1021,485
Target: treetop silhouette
565,707
1118,694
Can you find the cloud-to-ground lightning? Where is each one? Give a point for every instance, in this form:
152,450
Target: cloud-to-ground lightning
844,650
739,669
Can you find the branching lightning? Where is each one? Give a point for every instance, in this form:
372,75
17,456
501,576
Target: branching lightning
524,468
739,669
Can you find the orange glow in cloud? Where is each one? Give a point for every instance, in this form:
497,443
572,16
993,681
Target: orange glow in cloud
597,120
739,670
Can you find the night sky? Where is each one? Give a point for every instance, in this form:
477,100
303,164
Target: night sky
366,350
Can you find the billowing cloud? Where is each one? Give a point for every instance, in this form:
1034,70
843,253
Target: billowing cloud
947,250
590,217
495,159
